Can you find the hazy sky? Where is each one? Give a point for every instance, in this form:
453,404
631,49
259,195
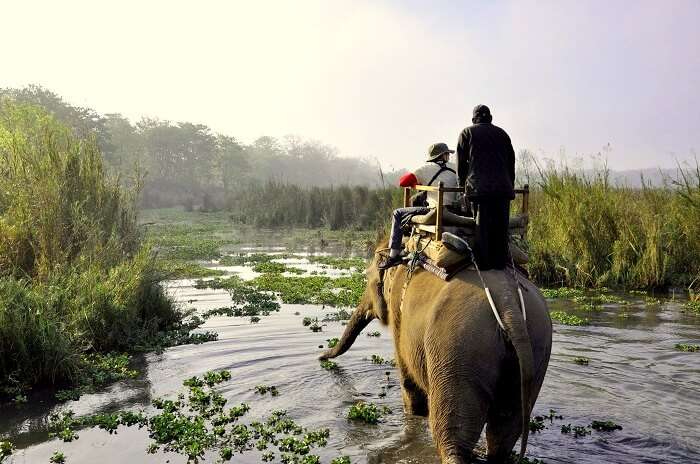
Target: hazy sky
379,78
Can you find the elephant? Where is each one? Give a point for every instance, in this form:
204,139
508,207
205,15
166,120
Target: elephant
456,365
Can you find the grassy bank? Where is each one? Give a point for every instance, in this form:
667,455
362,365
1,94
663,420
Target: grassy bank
74,276
585,232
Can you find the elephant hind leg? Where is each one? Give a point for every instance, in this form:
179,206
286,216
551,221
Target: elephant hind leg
502,432
457,416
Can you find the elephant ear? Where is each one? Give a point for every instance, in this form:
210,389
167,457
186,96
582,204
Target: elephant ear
379,305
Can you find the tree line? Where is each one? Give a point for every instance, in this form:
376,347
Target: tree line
188,164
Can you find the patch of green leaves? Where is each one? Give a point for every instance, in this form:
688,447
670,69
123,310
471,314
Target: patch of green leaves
180,269
368,413
376,359
692,306
57,458
605,426
246,300
568,319
320,290
6,449
581,361
339,263
99,370
562,292
197,422
330,365
341,315
264,389
271,267
687,348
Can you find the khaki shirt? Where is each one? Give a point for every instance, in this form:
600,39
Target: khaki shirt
448,179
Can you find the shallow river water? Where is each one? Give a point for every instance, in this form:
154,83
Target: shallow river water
635,378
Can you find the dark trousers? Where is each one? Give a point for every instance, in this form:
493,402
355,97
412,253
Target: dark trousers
398,218
491,240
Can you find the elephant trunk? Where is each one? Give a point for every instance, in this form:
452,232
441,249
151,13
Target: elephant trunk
361,317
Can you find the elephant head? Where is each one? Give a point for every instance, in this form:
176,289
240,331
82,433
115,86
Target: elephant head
372,305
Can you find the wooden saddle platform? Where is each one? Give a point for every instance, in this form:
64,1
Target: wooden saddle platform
440,241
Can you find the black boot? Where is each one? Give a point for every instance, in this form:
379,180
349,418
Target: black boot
390,262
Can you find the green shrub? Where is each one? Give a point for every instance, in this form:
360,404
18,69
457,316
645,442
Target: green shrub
74,276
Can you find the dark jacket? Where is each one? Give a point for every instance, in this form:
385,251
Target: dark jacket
486,162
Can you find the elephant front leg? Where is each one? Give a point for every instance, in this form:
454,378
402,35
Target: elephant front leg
415,401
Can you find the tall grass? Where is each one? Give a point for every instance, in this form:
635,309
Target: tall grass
74,276
586,232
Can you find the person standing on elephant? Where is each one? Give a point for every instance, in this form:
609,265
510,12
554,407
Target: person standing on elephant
433,171
486,170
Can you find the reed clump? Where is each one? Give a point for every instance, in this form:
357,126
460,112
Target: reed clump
74,275
586,232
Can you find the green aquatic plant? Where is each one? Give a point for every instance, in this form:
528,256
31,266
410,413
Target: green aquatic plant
332,342
330,365
307,321
687,348
246,300
562,292
581,361
264,389
568,319
376,359
254,259
577,430
180,269
341,460
366,412
316,327
339,263
254,319
605,426
6,449
376,333
57,458
197,422
98,371
589,306
274,267
341,315
692,306
320,290
536,424
515,459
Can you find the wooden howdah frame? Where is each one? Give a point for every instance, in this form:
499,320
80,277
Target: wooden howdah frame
441,190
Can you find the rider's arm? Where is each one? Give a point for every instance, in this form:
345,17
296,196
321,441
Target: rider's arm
463,157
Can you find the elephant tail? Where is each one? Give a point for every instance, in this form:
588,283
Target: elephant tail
516,327
361,317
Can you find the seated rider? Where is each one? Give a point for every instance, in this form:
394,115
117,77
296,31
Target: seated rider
435,170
